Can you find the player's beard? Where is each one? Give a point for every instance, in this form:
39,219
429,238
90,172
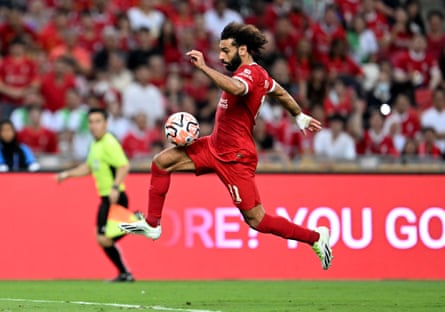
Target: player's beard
234,63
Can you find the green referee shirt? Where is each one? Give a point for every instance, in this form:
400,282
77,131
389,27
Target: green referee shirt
104,157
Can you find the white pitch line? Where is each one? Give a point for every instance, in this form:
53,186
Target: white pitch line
117,305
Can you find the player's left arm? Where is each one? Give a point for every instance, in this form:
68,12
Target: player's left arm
290,104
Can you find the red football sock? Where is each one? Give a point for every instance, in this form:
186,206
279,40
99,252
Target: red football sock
159,184
284,228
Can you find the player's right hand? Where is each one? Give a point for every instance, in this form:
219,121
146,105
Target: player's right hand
196,58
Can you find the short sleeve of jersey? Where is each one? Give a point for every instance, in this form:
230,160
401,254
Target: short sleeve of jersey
249,76
114,153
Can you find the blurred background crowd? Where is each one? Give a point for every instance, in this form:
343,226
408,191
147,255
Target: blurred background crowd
371,70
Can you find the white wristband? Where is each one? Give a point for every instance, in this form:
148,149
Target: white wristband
303,121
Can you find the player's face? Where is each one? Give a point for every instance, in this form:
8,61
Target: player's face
97,125
229,54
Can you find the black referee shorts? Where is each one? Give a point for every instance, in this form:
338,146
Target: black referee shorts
104,207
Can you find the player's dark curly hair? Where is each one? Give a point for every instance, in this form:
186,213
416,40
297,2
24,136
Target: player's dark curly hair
247,35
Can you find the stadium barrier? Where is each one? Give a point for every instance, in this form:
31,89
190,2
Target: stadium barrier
383,227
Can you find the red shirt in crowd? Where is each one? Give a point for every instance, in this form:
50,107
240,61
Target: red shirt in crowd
40,140
50,37
54,90
429,150
409,64
7,34
343,66
322,38
435,46
378,23
348,8
138,145
343,107
300,69
18,73
373,144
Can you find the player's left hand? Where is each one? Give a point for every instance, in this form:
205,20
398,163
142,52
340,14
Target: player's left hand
114,195
197,58
307,122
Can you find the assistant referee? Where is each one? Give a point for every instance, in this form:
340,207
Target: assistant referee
109,166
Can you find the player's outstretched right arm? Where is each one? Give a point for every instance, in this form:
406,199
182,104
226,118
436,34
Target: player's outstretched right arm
79,171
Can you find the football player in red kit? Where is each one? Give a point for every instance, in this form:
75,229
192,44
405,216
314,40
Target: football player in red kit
230,150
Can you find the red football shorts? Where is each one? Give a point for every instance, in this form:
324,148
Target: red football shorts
239,178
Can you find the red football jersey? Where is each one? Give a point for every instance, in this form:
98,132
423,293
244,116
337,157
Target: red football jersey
376,145
39,140
54,91
19,73
232,139
321,39
410,64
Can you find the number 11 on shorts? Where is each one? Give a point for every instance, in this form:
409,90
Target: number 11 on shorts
234,192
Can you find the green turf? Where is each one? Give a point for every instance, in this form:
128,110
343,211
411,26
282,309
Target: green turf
226,296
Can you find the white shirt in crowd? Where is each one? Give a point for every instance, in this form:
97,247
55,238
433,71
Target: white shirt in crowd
435,119
153,20
146,99
215,23
343,147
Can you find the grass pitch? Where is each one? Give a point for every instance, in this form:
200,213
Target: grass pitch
224,296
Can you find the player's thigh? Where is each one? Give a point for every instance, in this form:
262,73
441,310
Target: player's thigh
240,182
174,159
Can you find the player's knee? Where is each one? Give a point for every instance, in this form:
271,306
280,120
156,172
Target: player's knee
104,241
254,216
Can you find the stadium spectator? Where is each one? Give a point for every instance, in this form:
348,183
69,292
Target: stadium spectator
140,138
286,38
37,15
111,43
376,21
105,153
434,117
40,139
142,96
362,41
348,10
409,151
14,27
339,99
70,49
301,61
118,124
316,89
20,115
325,31
403,122
52,33
18,76
218,17
340,65
416,69
415,19
270,51
118,75
168,43
146,15
146,47
280,72
57,82
70,123
374,140
334,143
89,35
435,34
427,147
14,156
158,71
400,35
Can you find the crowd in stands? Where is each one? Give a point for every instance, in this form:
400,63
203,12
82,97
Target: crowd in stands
371,70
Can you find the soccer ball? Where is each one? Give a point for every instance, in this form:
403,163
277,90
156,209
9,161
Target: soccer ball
181,129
